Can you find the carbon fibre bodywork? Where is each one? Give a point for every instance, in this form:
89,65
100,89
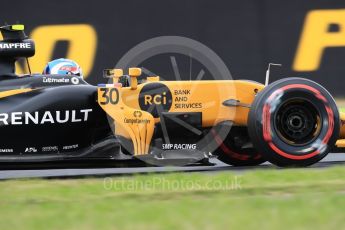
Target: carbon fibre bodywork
46,117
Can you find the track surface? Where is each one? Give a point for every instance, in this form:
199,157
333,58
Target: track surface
331,159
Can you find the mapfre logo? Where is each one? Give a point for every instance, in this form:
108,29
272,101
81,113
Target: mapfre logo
15,45
155,98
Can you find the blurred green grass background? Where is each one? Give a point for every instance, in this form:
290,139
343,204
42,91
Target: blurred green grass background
257,199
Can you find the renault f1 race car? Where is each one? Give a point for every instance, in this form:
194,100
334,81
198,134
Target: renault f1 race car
53,118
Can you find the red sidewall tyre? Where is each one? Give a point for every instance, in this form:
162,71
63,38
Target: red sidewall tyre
294,121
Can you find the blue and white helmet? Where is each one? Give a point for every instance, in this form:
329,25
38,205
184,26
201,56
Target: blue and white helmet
64,67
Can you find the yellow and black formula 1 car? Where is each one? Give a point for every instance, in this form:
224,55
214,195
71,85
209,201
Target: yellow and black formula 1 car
43,118
291,122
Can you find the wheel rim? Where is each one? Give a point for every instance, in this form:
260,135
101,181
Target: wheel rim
298,122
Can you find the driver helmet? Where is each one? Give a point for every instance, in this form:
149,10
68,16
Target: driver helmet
64,67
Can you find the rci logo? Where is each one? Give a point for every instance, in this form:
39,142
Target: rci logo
155,98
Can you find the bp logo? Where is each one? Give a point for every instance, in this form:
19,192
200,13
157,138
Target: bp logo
155,98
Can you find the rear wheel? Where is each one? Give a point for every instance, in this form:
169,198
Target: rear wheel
236,149
294,121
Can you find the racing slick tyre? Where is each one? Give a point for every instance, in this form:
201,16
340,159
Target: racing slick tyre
294,122
234,149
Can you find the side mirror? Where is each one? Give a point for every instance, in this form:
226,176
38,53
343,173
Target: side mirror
134,73
115,74
108,73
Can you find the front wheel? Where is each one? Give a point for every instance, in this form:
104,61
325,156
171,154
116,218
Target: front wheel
294,121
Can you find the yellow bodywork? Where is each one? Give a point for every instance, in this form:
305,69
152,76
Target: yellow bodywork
341,142
203,96
132,123
14,92
207,97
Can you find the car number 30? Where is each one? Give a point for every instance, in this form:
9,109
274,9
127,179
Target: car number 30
110,95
